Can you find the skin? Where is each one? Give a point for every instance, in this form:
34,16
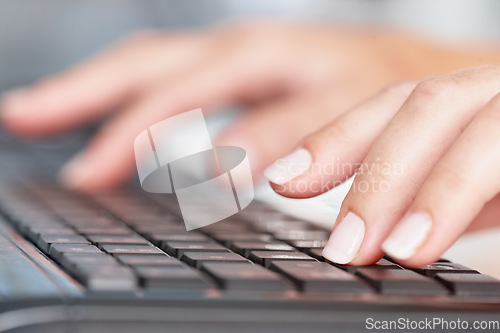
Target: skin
442,134
296,75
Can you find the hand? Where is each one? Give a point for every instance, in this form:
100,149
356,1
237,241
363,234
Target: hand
428,157
294,78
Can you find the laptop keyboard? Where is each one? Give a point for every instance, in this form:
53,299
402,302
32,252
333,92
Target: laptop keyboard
128,241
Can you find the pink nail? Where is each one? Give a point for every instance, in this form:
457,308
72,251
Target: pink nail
346,239
408,235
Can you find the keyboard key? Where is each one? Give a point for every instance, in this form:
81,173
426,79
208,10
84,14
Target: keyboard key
148,229
57,251
320,277
45,241
444,267
177,249
118,231
266,258
245,276
442,260
401,281
25,225
172,277
153,220
223,226
308,244
470,284
263,215
315,253
309,235
382,263
131,249
71,261
106,277
95,221
244,248
280,225
228,237
138,215
147,259
198,258
182,236
34,232
102,240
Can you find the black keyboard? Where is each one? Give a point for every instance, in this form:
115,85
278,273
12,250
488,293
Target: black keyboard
126,241
122,261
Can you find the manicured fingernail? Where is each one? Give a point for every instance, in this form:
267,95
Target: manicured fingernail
346,239
76,172
408,235
289,167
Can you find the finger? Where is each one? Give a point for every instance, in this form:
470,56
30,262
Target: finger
488,217
332,154
402,157
270,130
453,194
94,169
89,90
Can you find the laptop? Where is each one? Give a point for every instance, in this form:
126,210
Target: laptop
122,261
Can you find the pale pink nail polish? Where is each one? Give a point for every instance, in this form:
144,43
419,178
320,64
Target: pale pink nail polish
408,235
345,240
289,167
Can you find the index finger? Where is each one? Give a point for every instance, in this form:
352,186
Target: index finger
402,158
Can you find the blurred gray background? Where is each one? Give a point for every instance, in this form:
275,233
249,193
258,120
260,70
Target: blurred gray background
38,38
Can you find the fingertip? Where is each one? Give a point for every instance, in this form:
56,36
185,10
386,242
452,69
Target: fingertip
27,111
408,236
345,240
298,175
75,173
289,167
84,173
50,106
13,107
283,190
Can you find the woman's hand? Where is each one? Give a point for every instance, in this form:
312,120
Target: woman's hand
426,158
294,78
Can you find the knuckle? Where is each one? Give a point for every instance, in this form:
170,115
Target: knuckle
451,178
375,177
436,89
340,132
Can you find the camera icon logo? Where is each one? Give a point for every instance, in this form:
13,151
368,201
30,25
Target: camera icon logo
176,156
